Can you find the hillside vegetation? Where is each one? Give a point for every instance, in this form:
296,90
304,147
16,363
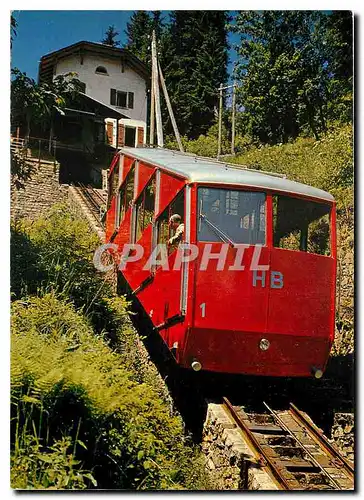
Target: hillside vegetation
85,414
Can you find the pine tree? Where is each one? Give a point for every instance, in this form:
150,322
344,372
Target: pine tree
338,48
138,32
110,35
195,56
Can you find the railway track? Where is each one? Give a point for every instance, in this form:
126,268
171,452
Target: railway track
95,201
293,450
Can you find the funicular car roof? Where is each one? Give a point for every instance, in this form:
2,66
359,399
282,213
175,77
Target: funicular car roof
208,170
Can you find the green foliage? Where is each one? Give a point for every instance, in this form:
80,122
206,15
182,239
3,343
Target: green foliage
53,467
36,103
68,382
25,272
139,33
110,35
194,64
13,27
326,164
291,82
85,411
192,48
54,253
204,145
20,169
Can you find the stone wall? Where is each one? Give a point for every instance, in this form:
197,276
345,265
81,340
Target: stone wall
40,191
229,460
342,433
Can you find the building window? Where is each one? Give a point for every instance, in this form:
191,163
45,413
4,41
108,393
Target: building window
101,70
122,99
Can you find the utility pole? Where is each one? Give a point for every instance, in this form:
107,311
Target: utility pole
152,111
220,121
170,110
160,141
220,89
233,121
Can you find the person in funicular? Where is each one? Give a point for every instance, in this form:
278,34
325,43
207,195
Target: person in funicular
177,225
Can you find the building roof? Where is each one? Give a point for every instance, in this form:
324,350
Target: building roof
81,48
208,170
101,109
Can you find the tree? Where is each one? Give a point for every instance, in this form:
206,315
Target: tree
63,89
337,45
138,31
194,57
287,67
13,26
110,35
34,102
282,74
27,99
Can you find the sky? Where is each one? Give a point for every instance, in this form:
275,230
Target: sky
40,32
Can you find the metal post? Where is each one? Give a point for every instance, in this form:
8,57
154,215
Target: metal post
220,122
158,116
233,121
170,110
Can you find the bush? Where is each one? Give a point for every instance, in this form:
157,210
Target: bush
326,164
204,145
54,254
71,387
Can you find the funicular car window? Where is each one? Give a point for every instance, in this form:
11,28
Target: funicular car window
145,208
164,229
238,216
126,195
300,224
113,184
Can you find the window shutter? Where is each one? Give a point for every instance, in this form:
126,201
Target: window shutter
140,136
121,135
109,132
130,100
113,97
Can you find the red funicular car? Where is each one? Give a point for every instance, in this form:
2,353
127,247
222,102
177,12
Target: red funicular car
256,293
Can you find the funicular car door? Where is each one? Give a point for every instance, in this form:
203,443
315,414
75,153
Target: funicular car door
124,202
230,305
141,231
302,283
163,297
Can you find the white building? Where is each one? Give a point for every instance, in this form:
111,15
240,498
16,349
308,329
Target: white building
111,76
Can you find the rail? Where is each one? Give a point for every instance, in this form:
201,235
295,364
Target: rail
95,201
320,437
294,451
